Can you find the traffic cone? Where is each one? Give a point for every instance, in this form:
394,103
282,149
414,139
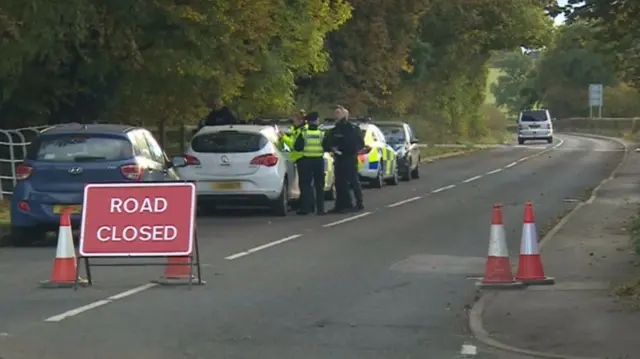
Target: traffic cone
177,272
530,269
64,265
498,274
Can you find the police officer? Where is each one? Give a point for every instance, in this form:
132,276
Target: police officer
311,166
345,140
288,139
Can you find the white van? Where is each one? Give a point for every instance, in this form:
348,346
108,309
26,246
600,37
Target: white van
535,125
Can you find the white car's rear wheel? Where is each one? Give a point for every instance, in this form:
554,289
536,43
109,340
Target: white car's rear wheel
280,205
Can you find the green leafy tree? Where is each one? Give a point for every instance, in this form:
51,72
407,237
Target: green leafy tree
511,87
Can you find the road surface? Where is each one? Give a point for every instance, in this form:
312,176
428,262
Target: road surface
391,282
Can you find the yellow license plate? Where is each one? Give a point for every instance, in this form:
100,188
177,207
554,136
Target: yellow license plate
226,185
75,209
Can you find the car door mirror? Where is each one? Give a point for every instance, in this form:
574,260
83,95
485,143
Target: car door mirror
178,161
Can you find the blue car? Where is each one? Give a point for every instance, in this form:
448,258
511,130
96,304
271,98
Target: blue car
63,158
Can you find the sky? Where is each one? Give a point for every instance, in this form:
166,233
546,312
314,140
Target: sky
560,19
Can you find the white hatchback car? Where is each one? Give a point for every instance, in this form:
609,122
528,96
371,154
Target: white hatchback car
240,165
535,125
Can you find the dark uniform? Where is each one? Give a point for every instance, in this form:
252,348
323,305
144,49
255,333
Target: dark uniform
346,137
311,166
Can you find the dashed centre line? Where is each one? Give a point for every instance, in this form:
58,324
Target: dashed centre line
345,220
264,246
442,189
408,200
472,178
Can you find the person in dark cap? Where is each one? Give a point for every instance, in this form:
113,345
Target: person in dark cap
311,166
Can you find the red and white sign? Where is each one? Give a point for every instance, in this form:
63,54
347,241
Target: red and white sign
141,219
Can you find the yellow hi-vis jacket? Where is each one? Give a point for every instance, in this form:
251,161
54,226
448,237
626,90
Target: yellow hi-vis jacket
312,143
289,139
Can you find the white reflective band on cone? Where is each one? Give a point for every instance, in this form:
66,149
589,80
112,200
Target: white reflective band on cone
497,242
65,247
529,243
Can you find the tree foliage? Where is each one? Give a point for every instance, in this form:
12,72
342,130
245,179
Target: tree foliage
560,78
618,22
169,60
514,89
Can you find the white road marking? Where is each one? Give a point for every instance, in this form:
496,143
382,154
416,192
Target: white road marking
264,246
409,200
99,303
511,164
468,349
493,172
441,189
76,311
345,220
472,179
133,291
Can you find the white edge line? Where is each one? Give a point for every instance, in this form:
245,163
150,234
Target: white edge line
409,200
472,179
348,219
441,189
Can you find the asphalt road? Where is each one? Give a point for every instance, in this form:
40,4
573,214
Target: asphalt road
390,283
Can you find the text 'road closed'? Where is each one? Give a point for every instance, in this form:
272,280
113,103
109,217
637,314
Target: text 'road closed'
138,220
132,233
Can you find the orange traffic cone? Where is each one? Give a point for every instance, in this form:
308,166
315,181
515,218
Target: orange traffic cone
65,265
498,274
178,271
530,269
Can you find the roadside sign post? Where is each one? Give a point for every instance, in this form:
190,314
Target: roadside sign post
140,220
596,92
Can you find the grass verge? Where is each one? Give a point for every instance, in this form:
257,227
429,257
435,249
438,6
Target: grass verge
5,214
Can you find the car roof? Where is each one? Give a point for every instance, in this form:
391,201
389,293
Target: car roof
76,128
363,126
390,123
243,128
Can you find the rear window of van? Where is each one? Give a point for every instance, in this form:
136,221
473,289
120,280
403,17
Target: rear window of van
534,116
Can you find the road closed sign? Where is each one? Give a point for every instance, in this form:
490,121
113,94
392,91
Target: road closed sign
138,220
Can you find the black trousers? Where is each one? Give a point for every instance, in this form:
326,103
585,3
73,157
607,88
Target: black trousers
347,179
311,175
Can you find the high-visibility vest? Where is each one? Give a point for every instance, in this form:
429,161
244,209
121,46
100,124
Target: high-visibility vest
312,143
295,132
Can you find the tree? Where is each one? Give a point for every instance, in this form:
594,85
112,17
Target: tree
515,80
568,67
163,60
619,25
